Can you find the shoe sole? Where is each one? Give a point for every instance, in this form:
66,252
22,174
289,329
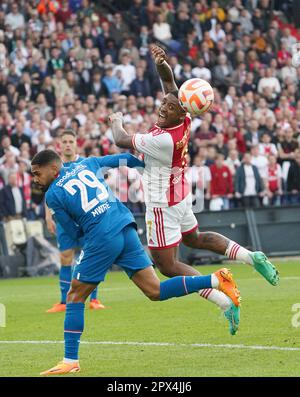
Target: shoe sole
235,325
61,373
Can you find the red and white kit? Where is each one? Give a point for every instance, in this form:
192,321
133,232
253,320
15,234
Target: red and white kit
168,199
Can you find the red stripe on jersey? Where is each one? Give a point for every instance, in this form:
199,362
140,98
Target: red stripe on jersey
157,227
178,185
162,226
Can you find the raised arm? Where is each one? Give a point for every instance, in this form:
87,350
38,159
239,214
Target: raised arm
119,160
163,69
121,138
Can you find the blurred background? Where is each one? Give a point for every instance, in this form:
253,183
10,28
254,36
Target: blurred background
69,63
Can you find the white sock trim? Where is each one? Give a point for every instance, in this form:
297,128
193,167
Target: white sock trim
214,281
70,361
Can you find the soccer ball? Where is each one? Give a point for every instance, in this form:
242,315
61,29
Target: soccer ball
196,96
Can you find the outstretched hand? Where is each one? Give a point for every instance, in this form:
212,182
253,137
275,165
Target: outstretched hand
158,54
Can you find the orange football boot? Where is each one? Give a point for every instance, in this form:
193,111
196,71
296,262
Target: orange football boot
95,304
62,368
57,307
228,285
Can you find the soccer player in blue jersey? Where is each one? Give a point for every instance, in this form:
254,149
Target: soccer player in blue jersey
66,244
81,201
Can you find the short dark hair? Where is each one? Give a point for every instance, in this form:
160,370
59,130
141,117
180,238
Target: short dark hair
45,157
68,131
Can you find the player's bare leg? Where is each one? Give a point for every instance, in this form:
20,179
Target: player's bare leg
73,328
222,245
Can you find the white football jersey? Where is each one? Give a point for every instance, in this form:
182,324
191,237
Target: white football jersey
164,150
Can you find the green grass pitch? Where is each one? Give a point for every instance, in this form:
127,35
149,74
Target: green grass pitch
178,325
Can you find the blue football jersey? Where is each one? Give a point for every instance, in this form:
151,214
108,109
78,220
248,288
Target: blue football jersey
78,160
82,202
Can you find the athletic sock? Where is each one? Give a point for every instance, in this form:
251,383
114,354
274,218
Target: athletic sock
184,285
69,361
74,324
94,294
65,275
216,297
235,252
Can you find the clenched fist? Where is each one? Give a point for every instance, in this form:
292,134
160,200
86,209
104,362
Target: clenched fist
118,116
158,54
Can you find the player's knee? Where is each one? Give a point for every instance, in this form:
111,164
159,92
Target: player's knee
67,257
190,239
76,294
164,265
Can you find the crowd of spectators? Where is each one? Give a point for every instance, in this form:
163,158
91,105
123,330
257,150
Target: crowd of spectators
68,64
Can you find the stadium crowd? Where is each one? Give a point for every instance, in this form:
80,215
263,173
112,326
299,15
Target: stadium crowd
68,64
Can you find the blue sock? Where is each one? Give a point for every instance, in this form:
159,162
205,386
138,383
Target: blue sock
74,324
183,285
94,294
65,275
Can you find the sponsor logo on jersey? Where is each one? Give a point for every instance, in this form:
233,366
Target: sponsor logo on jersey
69,174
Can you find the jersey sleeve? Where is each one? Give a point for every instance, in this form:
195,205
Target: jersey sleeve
62,217
153,145
119,160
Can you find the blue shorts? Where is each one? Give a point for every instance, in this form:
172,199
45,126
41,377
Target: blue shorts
124,250
64,241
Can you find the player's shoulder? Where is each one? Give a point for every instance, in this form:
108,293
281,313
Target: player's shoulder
156,131
89,161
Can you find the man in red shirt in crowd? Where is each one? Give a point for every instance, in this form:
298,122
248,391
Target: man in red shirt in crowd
221,187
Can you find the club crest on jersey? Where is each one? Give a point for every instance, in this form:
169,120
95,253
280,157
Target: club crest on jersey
183,141
180,144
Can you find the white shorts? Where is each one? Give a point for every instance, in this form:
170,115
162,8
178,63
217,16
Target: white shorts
165,226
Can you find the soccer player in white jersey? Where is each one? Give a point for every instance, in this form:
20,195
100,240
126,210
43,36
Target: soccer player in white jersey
169,215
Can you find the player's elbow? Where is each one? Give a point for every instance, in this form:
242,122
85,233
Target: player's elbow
118,141
122,142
